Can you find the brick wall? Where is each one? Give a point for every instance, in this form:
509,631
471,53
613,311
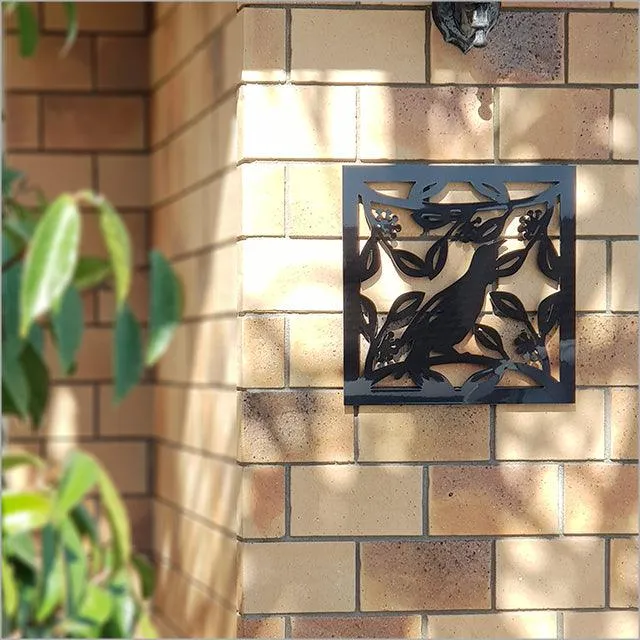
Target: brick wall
442,521
70,123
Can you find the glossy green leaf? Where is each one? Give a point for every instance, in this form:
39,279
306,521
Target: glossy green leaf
36,339
11,281
165,307
74,567
27,600
18,458
24,510
118,519
11,247
91,272
79,476
72,24
27,29
96,606
118,243
50,261
14,378
9,178
146,573
51,584
127,352
21,548
84,522
68,325
125,608
9,590
38,379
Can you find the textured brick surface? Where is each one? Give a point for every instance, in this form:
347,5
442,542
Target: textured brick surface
132,417
98,16
22,118
263,32
271,627
624,276
624,572
263,502
263,351
541,433
452,575
524,47
426,123
125,180
625,124
295,426
298,576
351,48
499,500
523,625
608,625
560,572
601,498
262,199
554,123
360,627
123,63
603,48
624,423
351,500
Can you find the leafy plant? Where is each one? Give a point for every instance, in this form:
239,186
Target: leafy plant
59,579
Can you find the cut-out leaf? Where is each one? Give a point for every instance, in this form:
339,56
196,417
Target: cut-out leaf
497,193
409,263
489,338
479,385
548,259
508,305
403,309
549,313
490,229
368,318
369,259
509,263
127,352
50,260
436,257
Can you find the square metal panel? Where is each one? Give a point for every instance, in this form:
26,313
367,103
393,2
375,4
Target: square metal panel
459,284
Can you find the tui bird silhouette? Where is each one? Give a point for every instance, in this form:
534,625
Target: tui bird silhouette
448,316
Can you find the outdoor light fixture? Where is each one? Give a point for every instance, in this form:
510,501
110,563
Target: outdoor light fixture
465,24
459,284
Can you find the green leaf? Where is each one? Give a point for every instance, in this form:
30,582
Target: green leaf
125,608
72,628
36,339
11,281
9,590
27,29
9,178
24,511
166,307
96,606
21,548
145,628
72,24
84,522
75,567
146,573
127,352
79,476
68,326
14,378
118,519
51,585
118,243
18,458
50,261
91,272
38,379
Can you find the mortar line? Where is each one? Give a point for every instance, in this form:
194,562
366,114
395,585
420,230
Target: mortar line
607,572
560,625
607,424
566,48
287,626
425,500
358,563
288,45
287,501
356,434
424,626
608,274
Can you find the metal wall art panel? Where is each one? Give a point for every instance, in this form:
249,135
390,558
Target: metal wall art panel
459,284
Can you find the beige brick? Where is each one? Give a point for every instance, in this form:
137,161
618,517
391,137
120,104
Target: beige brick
70,413
624,423
493,500
133,417
73,122
624,572
451,574
556,4
357,627
549,573
531,625
46,69
425,123
263,351
608,625
601,498
263,32
525,47
94,357
281,577
554,123
564,433
316,350
124,180
22,118
345,46
603,48
263,502
607,350
92,242
165,530
140,517
262,199
624,276
625,124
355,500
123,63
295,427
269,627
162,9
285,121
607,188
314,200
98,16
291,275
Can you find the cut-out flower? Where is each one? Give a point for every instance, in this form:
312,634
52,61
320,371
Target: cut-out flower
527,347
387,223
529,224
388,350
